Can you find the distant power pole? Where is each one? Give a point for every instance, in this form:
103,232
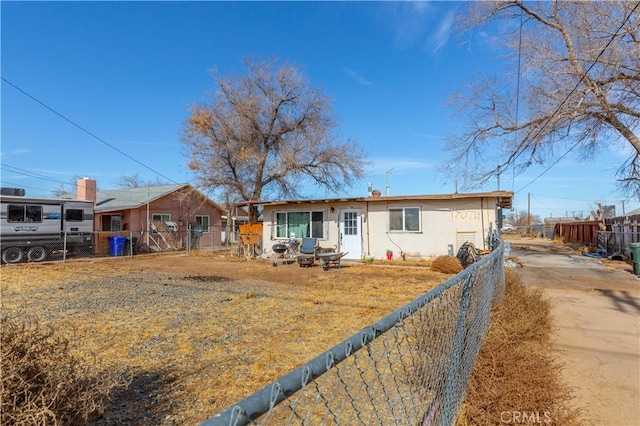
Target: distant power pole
623,212
498,174
529,211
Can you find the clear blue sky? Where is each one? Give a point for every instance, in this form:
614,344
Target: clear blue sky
125,71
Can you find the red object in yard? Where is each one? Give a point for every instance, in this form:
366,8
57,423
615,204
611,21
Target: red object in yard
389,255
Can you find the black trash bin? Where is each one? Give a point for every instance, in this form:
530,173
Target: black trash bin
132,246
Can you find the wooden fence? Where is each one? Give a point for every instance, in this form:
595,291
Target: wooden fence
586,232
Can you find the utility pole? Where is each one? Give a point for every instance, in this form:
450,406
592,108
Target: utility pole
623,212
529,211
498,174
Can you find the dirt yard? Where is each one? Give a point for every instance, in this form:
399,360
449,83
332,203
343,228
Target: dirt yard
198,333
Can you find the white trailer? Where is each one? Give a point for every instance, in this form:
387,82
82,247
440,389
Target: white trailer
31,229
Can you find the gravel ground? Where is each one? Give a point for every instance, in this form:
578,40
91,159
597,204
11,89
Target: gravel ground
198,333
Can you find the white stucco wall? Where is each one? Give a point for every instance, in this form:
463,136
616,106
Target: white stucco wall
443,222
331,236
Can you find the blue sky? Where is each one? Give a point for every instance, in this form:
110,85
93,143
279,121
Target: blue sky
125,72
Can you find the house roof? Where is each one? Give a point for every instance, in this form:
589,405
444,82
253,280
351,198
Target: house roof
505,198
559,219
133,198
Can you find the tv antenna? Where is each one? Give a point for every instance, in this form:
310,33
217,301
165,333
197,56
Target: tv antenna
386,180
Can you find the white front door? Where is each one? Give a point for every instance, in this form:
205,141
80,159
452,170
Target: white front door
351,233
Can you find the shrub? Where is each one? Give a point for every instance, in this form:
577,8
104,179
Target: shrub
446,265
43,382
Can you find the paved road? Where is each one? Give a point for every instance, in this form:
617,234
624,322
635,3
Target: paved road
596,309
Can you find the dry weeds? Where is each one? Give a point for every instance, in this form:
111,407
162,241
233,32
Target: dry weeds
517,371
446,265
43,381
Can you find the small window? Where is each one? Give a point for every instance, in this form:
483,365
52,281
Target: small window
406,219
161,217
74,215
164,218
112,223
204,222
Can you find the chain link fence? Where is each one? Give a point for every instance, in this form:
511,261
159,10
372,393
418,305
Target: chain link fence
66,245
410,368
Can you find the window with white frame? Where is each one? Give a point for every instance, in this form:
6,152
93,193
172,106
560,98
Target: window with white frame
166,219
404,219
203,221
111,222
160,217
300,224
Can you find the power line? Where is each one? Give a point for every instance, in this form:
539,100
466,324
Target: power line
19,185
613,37
85,130
563,198
35,175
549,168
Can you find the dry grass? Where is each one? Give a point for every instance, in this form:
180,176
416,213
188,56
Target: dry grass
517,370
43,381
446,265
201,332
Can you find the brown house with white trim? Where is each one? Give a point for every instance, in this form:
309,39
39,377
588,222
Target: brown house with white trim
162,217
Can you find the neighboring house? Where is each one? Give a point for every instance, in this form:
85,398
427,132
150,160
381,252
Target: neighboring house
239,216
159,216
414,226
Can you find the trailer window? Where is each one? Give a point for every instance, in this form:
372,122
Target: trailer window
28,214
34,213
74,215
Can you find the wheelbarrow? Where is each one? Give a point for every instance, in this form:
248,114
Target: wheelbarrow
329,259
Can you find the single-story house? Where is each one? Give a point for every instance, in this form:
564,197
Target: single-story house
412,226
159,216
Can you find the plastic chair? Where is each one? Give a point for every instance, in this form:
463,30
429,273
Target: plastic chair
307,249
308,246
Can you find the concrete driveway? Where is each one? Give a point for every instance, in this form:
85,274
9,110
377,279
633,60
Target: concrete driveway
596,310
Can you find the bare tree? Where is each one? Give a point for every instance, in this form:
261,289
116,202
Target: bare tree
579,88
263,133
135,181
61,190
522,218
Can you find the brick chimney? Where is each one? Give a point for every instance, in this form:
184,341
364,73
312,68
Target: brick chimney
86,189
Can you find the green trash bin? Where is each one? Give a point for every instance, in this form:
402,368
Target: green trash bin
634,248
